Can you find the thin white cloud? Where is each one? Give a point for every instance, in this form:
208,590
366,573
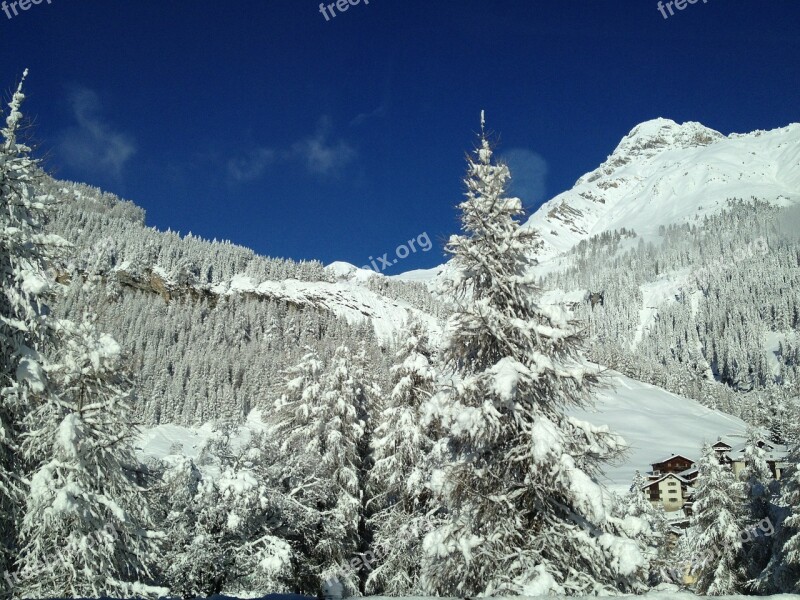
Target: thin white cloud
528,175
251,166
362,118
322,155
92,144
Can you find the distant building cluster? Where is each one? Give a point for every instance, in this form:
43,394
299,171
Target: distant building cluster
670,482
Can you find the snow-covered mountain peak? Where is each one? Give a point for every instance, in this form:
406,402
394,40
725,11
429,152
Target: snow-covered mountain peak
663,172
651,138
666,132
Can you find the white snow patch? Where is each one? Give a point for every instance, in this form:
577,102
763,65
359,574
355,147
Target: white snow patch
31,372
506,375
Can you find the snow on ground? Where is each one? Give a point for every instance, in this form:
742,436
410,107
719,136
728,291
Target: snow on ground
771,347
655,424
663,595
163,440
560,297
348,300
654,295
346,271
427,276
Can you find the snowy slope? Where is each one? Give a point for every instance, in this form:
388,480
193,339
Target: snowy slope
663,173
346,299
653,422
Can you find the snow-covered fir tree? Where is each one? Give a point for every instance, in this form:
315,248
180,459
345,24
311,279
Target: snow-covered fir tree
648,525
303,493
635,502
716,527
398,486
758,486
86,530
789,575
756,478
222,518
782,574
524,511
341,444
26,253
321,422
176,513
16,307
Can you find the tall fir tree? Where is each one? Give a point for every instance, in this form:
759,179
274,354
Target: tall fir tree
86,530
524,511
26,253
321,420
399,494
758,486
303,495
343,411
782,574
717,525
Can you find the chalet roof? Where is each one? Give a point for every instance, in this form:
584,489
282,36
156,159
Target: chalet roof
730,440
689,471
772,452
658,462
662,478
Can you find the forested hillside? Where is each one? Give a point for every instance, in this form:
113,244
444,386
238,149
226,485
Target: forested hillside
709,309
173,301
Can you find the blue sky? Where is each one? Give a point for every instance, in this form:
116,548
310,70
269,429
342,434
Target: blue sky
265,124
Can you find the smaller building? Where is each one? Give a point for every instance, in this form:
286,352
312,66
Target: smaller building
670,491
776,456
722,449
